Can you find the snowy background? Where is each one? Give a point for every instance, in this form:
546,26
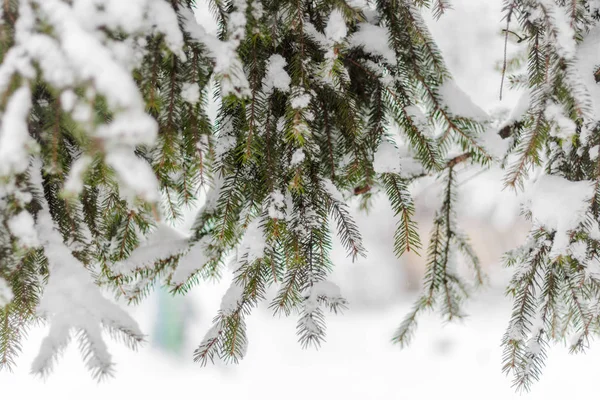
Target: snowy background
357,361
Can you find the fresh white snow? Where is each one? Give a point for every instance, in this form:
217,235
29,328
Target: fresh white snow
559,205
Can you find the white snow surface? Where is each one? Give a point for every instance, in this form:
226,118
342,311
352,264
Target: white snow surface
459,103
276,208
322,289
164,242
22,227
300,100
134,173
228,66
561,21
387,158
520,109
232,299
563,126
373,39
190,92
14,135
254,242
333,191
6,294
74,182
336,29
391,159
276,76
298,157
586,60
192,261
559,205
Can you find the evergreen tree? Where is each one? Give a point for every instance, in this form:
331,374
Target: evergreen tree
105,140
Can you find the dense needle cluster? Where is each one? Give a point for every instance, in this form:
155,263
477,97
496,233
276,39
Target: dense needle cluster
105,140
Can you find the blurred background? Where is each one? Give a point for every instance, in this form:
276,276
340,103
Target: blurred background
357,361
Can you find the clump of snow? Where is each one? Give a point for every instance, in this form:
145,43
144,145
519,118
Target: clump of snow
396,160
15,141
419,119
593,152
276,207
135,173
6,294
336,29
311,31
190,92
564,126
300,100
373,39
520,109
515,331
558,204
72,301
587,59
163,243
276,77
225,143
578,251
332,190
592,269
387,158
326,289
228,66
459,103
232,299
564,33
22,227
198,256
575,339
67,100
298,157
74,183
129,128
254,243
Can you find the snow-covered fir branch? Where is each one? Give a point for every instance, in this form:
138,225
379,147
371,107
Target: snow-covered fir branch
105,141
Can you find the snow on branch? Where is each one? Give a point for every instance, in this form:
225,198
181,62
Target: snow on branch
72,302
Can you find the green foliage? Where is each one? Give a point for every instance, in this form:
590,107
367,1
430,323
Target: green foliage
280,167
554,295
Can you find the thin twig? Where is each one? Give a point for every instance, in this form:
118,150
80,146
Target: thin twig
506,31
